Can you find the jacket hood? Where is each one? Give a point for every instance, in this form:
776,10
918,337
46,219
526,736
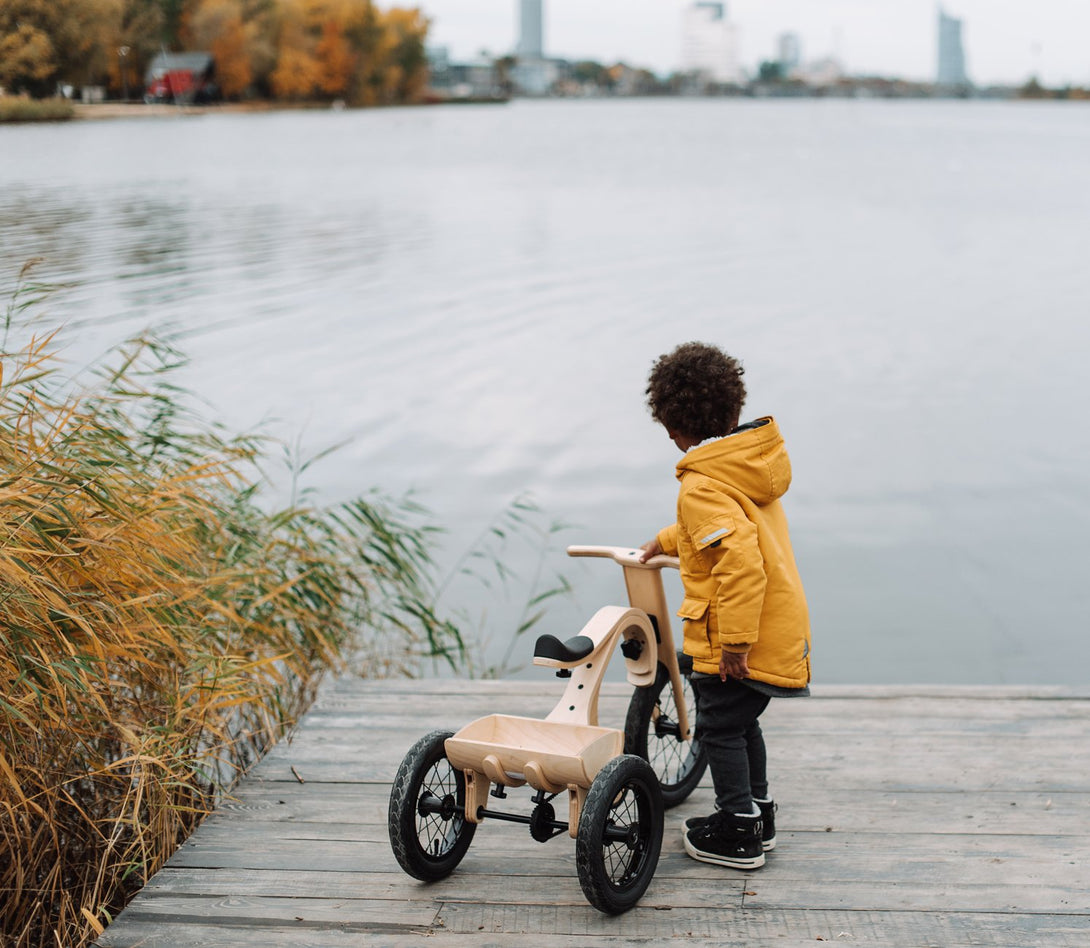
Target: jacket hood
753,460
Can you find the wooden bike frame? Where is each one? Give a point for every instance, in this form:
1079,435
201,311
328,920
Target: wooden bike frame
645,592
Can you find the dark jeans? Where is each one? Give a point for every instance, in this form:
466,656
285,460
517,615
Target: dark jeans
727,727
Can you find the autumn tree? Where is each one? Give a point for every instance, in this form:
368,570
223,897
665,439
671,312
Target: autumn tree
218,27
260,17
410,30
297,71
27,58
392,62
47,42
336,61
139,31
173,17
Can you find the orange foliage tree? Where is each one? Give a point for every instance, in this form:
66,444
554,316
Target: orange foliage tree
346,49
336,61
409,29
392,65
44,43
219,27
296,74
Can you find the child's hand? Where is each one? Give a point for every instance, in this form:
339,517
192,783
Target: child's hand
650,549
733,665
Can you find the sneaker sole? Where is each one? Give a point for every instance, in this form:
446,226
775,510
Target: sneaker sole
766,844
730,862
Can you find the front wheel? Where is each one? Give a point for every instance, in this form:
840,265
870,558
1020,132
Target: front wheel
651,731
429,832
620,834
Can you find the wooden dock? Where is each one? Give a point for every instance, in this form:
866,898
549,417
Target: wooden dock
908,817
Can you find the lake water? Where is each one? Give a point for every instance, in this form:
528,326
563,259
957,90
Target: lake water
471,298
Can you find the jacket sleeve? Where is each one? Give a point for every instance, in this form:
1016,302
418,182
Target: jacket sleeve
727,539
667,538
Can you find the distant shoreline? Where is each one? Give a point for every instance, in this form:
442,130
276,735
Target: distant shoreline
115,110
121,110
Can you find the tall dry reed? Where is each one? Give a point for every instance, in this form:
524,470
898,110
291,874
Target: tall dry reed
159,624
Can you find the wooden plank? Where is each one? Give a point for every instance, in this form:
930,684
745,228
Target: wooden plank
995,811
462,886
773,927
997,859
683,892
922,769
238,911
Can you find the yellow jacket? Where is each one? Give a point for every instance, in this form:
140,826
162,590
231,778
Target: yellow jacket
742,588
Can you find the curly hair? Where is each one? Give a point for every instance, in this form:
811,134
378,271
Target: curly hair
697,390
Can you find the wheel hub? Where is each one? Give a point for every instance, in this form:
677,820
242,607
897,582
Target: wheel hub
431,805
628,834
665,727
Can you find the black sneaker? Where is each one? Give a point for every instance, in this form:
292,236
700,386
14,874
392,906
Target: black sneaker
768,820
727,840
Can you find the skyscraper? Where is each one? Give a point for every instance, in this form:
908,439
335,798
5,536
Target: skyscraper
951,71
533,73
531,44
789,48
709,43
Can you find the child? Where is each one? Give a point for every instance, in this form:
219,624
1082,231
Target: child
745,619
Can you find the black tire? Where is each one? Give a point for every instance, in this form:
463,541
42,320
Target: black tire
620,834
429,833
651,732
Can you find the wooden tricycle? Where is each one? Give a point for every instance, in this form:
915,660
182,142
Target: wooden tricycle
618,783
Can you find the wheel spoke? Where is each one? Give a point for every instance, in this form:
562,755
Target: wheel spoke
671,757
438,833
622,856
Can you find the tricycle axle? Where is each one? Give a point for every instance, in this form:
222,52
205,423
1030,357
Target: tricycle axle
541,828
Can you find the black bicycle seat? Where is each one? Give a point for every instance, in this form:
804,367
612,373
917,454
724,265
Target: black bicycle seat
574,650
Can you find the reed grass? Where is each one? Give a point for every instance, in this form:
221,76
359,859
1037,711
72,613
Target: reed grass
160,623
23,109
484,576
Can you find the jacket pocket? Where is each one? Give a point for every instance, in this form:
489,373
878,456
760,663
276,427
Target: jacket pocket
698,644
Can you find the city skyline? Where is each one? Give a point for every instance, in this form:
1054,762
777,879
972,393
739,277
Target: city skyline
1004,43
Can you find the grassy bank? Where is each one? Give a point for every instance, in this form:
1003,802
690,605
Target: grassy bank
161,622
22,109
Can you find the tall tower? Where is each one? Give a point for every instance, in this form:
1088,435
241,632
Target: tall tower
789,48
709,42
951,67
531,44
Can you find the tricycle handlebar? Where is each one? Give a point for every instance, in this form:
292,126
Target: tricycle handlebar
626,556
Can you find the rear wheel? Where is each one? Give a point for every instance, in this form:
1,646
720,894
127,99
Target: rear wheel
429,832
651,731
620,835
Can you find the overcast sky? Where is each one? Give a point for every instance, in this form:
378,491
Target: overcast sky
1005,40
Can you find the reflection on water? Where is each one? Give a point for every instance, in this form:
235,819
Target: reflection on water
473,297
